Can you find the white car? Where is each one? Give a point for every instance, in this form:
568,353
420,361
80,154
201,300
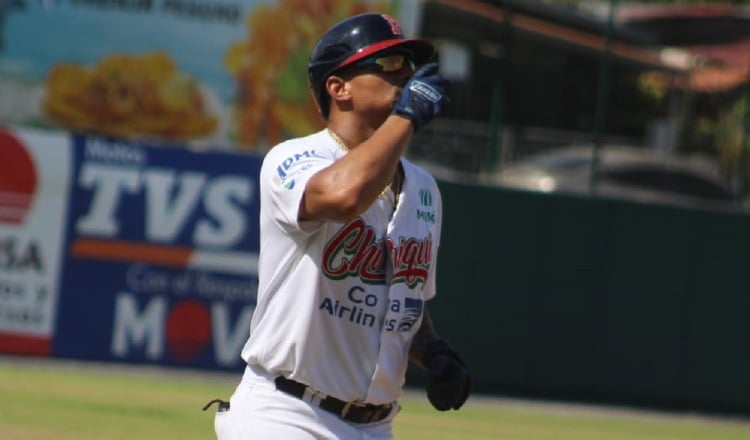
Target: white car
623,172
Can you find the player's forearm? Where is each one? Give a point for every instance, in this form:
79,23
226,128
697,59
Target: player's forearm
422,339
350,185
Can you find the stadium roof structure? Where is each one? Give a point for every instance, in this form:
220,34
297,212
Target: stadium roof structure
716,36
568,26
707,45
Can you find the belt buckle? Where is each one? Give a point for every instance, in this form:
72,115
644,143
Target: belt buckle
346,408
374,412
384,410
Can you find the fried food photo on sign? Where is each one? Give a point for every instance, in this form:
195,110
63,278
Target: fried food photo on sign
128,95
272,100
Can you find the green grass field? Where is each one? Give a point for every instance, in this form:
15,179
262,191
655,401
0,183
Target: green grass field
43,400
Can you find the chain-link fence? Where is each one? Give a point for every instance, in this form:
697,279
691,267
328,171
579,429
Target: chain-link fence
647,101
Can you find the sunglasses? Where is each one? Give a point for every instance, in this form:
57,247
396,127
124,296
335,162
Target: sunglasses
387,63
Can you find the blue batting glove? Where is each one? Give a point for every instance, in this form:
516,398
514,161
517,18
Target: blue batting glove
423,96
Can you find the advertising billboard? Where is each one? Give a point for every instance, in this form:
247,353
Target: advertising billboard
131,136
160,256
215,74
121,250
34,177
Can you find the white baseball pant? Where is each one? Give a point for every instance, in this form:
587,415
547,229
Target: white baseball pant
258,411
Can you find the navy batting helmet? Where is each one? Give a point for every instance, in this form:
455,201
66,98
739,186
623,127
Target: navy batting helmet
354,39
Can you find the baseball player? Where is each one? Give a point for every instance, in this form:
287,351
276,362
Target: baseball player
349,234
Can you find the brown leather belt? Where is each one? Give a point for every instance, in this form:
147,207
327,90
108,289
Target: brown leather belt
353,412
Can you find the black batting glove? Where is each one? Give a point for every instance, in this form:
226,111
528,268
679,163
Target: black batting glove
449,381
423,96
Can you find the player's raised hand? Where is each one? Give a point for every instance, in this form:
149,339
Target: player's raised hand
423,96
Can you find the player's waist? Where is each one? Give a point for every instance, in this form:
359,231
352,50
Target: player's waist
355,412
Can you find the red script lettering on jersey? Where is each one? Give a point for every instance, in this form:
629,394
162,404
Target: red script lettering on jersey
354,252
411,260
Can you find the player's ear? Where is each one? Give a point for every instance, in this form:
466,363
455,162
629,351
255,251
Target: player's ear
338,89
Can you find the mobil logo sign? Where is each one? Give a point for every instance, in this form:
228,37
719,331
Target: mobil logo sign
162,249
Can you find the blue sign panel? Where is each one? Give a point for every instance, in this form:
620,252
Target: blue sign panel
161,254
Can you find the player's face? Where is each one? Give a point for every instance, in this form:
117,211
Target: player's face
376,82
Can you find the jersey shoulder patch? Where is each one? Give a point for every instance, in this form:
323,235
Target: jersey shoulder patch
295,156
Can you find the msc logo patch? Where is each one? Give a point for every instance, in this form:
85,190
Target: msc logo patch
425,197
425,200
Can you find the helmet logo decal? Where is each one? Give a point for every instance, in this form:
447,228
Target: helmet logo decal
395,28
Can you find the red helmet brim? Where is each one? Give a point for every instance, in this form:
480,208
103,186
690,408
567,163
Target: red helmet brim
422,50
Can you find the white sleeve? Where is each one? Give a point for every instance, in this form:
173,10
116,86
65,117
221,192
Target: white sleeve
430,288
284,175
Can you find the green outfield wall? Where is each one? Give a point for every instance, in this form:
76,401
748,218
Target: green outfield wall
579,298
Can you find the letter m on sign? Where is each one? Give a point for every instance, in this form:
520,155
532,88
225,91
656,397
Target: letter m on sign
132,329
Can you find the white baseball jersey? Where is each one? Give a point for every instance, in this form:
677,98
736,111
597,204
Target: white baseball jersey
338,304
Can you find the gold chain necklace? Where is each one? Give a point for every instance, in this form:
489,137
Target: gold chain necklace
392,196
338,140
